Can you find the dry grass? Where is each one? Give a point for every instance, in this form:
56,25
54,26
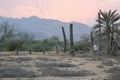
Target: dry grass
7,53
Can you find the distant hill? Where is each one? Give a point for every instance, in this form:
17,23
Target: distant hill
46,28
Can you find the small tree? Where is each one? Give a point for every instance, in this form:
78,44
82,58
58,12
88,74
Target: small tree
6,31
19,41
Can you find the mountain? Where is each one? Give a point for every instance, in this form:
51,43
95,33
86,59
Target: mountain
46,28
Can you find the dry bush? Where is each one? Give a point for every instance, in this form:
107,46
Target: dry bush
115,73
51,71
15,72
21,59
14,65
107,63
43,64
10,65
98,58
113,70
3,59
46,59
85,55
100,66
101,53
15,59
82,64
114,76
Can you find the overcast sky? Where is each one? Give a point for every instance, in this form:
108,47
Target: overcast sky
83,11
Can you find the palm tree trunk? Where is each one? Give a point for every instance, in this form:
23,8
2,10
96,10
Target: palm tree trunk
99,32
30,51
108,43
92,43
17,51
57,51
71,40
100,40
65,41
43,51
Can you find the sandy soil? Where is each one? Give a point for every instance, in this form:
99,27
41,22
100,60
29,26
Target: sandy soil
82,63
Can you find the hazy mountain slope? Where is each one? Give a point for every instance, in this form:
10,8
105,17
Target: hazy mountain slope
46,28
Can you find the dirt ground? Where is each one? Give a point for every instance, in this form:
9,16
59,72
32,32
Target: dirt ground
41,67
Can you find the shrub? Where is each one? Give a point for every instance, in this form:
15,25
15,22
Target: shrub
100,66
41,64
107,63
113,70
21,59
16,72
50,71
115,73
82,46
46,59
114,76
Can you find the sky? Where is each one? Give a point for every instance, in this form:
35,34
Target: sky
84,11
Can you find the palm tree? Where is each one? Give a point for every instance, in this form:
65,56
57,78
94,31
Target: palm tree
109,21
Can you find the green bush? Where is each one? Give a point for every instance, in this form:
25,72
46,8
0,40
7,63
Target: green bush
46,44
83,46
13,45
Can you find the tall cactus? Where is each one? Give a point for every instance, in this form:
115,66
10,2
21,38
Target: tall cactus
65,41
71,40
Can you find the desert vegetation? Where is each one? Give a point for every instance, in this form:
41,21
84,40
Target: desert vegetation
95,57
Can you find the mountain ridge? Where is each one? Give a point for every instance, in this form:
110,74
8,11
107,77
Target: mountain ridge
46,28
